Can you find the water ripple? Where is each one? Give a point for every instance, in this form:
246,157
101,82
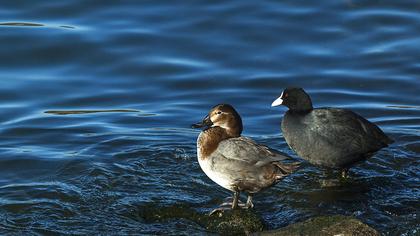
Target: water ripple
97,101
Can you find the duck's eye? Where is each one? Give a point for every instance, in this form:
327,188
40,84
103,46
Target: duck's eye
219,112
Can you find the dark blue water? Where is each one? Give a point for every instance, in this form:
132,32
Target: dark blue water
162,65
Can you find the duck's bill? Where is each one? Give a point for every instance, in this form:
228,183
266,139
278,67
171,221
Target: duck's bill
277,102
206,122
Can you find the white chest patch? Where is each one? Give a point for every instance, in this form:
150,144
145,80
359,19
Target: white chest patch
216,176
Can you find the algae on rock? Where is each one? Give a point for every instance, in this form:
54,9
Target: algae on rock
231,222
325,225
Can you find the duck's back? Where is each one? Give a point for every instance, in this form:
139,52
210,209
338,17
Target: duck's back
332,137
240,162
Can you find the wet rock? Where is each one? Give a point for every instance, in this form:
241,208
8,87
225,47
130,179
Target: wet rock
237,222
325,225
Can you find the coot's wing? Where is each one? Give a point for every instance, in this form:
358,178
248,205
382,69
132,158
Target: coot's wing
347,130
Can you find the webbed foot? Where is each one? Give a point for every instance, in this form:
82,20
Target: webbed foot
232,204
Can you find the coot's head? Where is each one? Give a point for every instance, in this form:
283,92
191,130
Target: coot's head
296,99
224,116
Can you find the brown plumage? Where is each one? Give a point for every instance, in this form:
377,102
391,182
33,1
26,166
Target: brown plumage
235,162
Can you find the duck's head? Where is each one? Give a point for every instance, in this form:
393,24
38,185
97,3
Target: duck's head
223,116
296,99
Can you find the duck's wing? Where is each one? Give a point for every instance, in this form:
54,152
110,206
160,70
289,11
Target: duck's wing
346,130
249,166
247,150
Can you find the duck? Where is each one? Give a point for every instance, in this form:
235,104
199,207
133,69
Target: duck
328,137
235,162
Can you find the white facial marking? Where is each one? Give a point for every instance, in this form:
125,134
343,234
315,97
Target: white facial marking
219,123
278,101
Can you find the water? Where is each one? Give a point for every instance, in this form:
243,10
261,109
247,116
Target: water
147,70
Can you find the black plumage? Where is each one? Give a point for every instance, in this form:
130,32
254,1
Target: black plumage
328,137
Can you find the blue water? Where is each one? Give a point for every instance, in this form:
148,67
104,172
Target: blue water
163,65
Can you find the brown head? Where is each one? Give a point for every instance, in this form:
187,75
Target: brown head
225,117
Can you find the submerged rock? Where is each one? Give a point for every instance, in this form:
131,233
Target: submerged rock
236,222
325,225
246,222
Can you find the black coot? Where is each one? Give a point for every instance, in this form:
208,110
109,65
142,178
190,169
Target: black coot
328,137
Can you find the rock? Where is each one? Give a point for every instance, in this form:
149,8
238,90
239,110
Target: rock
236,222
245,222
325,225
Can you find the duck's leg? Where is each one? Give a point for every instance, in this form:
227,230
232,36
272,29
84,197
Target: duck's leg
231,205
249,203
235,199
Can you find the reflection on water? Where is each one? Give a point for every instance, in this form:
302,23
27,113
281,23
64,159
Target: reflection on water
20,24
33,25
404,107
72,112
71,163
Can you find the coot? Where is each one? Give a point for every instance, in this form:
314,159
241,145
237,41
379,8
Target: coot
328,137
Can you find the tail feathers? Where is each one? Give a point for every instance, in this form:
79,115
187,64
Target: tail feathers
285,169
